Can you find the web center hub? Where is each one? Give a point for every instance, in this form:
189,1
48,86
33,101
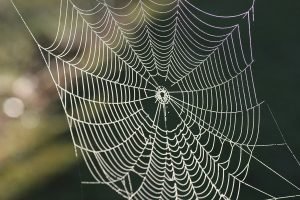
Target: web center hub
162,95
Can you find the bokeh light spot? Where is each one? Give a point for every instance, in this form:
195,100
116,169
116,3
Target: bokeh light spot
13,107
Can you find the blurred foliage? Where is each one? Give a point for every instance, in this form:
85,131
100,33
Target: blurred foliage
36,148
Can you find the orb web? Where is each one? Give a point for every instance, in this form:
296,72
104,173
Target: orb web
159,97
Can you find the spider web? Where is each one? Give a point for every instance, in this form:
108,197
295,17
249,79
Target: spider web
159,97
